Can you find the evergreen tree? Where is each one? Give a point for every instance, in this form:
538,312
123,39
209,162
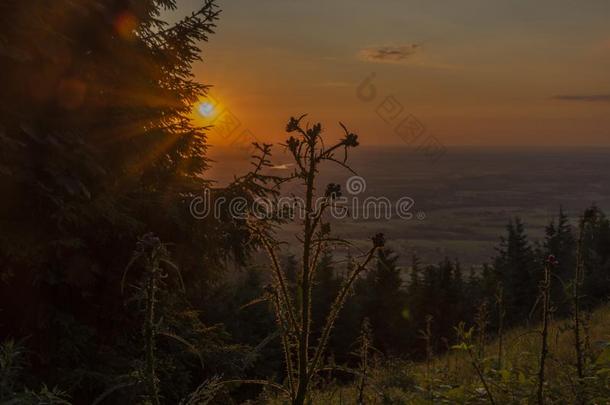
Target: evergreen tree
97,147
472,292
448,285
516,269
489,280
414,276
290,265
596,255
559,241
385,302
328,285
415,312
441,295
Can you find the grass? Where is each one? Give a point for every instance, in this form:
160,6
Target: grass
452,378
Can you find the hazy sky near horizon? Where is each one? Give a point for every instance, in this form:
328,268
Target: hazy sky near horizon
473,72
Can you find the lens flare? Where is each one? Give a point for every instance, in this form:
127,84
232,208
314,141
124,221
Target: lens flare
126,24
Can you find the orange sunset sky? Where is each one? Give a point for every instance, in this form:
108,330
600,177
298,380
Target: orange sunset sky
473,72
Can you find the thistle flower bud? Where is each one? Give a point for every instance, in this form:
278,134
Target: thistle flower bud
351,140
378,240
333,191
293,125
552,260
292,143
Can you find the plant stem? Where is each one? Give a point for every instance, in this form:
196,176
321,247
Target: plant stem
576,305
500,301
475,364
149,337
545,291
303,355
364,349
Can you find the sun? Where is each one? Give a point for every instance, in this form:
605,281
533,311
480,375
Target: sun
206,109
208,113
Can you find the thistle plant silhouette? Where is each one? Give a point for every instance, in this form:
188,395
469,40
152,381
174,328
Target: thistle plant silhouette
154,257
293,306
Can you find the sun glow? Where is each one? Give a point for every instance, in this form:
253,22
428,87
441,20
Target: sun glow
223,126
206,110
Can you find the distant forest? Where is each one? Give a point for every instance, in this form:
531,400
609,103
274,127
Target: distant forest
112,292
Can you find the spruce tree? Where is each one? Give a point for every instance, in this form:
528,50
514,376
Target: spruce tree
97,147
328,285
385,302
596,255
559,241
517,271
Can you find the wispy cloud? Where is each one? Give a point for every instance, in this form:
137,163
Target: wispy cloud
284,166
593,98
410,54
389,53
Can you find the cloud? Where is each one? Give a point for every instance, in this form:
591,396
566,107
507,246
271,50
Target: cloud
284,166
593,98
389,53
412,55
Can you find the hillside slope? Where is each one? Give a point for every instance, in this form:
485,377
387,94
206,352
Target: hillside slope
453,378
